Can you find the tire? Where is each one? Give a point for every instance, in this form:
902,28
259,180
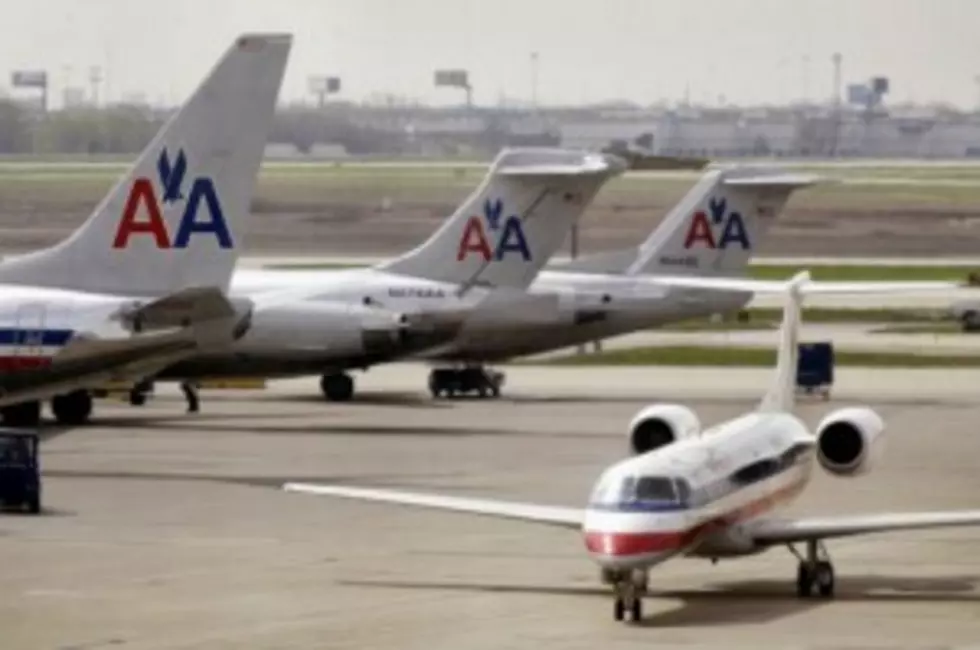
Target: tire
804,581
824,578
72,409
619,610
34,505
636,612
971,321
337,388
25,414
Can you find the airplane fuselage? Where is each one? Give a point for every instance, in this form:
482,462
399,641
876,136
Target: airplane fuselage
352,322
560,309
699,496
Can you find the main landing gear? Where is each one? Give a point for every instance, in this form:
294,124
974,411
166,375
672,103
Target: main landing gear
25,414
69,409
338,387
72,409
815,571
629,587
451,382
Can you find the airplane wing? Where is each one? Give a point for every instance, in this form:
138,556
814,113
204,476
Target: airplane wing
547,515
179,325
797,530
811,287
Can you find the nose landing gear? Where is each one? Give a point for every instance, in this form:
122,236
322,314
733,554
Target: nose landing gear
629,587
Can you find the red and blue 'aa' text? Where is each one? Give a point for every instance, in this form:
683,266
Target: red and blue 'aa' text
143,212
704,226
508,235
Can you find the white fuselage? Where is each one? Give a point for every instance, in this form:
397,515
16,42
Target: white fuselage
35,322
698,496
354,322
571,308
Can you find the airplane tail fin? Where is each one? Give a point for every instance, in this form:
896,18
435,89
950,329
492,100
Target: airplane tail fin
782,391
505,232
712,231
174,220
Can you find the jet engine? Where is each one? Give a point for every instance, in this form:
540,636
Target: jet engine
849,441
660,425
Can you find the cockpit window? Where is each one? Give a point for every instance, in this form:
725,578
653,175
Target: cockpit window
639,491
655,488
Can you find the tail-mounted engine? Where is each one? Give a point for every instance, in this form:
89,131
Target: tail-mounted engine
660,425
849,441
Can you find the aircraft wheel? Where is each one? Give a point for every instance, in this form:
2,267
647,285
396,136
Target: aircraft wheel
636,611
25,414
619,609
73,408
824,578
804,580
436,386
337,388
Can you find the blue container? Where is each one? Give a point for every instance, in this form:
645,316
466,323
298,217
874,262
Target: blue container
815,367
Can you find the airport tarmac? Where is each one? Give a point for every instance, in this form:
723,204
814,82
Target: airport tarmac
164,530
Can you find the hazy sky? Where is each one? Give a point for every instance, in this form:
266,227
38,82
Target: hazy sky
749,51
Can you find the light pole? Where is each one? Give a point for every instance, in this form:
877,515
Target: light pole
534,79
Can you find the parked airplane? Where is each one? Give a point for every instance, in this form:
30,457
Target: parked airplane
712,231
710,493
476,266
141,284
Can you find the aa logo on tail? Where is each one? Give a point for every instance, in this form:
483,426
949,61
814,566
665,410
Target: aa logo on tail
143,212
703,227
507,235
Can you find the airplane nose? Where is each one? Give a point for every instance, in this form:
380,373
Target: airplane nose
621,540
624,549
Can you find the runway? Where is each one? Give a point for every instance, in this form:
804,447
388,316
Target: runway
167,531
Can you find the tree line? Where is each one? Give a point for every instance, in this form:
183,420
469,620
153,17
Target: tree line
126,129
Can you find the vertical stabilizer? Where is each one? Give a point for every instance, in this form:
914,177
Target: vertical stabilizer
712,231
518,217
174,220
782,391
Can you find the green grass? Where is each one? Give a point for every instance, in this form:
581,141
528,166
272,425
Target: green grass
943,327
864,273
850,315
760,318
762,357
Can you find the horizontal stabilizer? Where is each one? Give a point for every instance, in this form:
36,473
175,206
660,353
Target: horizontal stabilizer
788,181
584,166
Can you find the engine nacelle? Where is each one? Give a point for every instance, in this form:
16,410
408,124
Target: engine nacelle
660,425
849,441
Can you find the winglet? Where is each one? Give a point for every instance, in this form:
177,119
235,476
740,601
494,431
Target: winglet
780,397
